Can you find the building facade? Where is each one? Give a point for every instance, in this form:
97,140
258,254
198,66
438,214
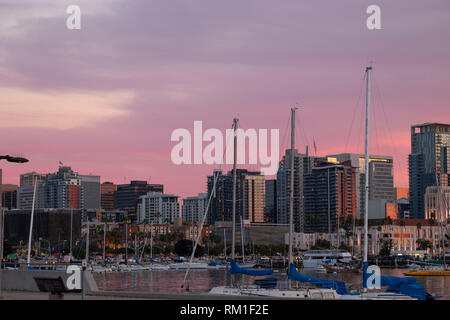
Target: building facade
158,208
404,238
381,177
127,196
91,190
302,165
437,204
25,192
330,195
61,190
250,187
429,162
107,195
9,196
270,203
194,208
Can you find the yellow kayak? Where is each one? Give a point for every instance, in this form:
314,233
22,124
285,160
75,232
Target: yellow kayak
426,273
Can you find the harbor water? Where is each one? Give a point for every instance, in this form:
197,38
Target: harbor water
170,281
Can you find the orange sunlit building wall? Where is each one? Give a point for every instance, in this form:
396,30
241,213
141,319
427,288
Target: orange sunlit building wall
402,193
392,210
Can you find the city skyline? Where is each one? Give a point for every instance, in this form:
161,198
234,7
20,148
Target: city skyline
107,105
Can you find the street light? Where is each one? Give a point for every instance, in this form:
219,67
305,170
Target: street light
16,160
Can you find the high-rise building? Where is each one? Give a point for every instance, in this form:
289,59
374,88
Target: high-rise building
253,196
9,196
194,208
107,194
381,177
303,164
127,196
429,162
91,190
26,189
216,185
329,194
249,196
158,208
61,190
270,206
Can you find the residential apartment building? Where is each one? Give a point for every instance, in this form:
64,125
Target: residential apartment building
158,208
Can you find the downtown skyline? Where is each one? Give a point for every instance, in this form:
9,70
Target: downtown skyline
108,105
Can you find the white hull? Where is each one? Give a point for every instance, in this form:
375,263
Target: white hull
306,294
302,294
313,263
185,265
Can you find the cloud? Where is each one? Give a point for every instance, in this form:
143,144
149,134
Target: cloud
61,110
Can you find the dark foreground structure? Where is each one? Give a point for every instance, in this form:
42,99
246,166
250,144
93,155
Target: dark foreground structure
52,226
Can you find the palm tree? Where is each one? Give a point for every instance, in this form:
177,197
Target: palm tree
387,221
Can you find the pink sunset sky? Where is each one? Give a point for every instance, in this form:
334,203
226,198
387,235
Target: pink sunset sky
105,99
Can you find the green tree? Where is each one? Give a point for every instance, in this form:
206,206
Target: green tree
184,248
321,244
423,244
386,247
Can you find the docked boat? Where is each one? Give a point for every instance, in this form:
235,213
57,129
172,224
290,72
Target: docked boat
313,258
342,268
320,268
190,265
429,271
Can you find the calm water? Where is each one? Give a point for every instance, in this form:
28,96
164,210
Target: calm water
203,280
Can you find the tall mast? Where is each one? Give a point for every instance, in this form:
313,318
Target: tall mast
235,125
366,163
31,223
291,195
242,239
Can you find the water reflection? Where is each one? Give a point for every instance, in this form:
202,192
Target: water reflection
203,280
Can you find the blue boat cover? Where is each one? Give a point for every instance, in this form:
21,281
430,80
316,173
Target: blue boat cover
404,285
339,286
236,269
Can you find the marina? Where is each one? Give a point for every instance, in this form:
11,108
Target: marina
202,281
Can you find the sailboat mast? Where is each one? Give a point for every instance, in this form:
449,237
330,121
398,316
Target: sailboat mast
242,240
233,243
366,169
30,237
291,195
224,244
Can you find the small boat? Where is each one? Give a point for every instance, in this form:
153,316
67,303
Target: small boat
342,268
429,271
158,267
186,265
320,268
100,269
313,258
